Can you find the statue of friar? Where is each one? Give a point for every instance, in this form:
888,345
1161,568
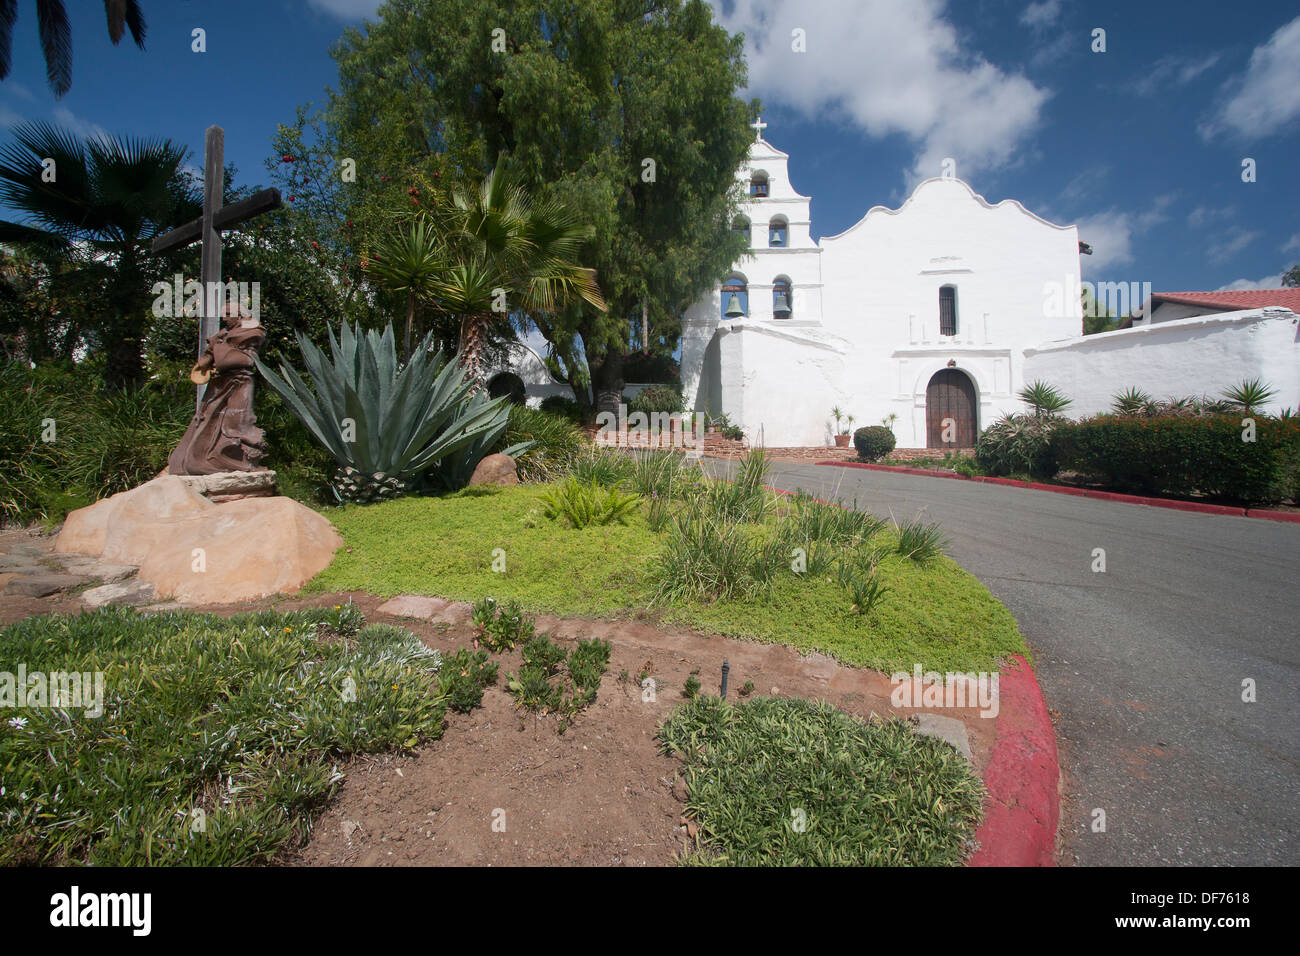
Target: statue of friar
224,435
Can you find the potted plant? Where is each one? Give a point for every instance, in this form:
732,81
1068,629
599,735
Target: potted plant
842,434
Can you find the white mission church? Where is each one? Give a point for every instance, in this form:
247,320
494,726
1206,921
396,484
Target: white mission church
942,309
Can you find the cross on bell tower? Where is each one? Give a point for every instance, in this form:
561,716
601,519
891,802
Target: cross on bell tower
758,128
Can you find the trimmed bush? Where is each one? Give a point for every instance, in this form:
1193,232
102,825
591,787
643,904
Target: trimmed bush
1019,444
1182,455
873,442
656,398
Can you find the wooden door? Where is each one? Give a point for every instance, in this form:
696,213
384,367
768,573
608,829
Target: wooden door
951,395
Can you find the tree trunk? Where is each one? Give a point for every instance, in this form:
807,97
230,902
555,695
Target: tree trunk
607,381
470,351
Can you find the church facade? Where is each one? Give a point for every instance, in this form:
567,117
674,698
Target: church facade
917,317
930,318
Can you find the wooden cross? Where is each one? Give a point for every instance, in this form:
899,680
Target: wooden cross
208,228
759,126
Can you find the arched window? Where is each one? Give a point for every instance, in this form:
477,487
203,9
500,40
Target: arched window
778,232
948,310
735,298
758,184
741,227
782,299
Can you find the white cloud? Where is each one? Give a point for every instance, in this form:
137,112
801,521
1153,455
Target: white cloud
889,67
83,128
1172,71
1205,215
1241,285
1263,99
8,117
347,9
1230,242
1041,15
1111,234
1292,243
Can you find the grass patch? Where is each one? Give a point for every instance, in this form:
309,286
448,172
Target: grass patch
936,615
789,782
237,724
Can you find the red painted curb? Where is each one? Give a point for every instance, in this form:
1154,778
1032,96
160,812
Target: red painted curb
1023,807
1172,503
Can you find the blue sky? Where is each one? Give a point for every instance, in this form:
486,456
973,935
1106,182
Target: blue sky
1141,145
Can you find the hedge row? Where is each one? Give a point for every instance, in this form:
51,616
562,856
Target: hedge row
1214,455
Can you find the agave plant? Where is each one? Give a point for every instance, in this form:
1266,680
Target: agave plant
386,426
1249,395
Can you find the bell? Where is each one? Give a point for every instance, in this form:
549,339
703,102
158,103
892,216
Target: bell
734,311
781,307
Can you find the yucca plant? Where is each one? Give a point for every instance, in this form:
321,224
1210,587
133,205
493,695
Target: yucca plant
1249,395
1044,399
385,425
1131,401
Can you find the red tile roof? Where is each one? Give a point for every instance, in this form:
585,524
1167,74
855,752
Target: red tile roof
1234,300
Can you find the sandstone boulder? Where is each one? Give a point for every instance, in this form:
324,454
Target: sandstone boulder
495,470
193,550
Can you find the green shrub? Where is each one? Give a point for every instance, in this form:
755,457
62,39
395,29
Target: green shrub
659,473
463,677
604,466
499,627
556,443
873,442
103,442
1179,455
244,719
920,541
563,406
707,559
653,368
587,503
656,398
537,688
787,782
1019,444
965,465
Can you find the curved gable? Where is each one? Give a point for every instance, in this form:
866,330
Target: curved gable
946,182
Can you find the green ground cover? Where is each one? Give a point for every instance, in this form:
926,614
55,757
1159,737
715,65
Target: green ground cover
933,613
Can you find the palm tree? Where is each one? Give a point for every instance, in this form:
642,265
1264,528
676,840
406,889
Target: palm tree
108,200
507,248
56,35
409,260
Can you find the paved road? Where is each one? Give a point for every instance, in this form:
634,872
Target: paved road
1144,663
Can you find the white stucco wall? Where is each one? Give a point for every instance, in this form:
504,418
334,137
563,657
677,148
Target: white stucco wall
1182,357
864,334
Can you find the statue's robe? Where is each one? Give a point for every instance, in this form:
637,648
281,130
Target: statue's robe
223,436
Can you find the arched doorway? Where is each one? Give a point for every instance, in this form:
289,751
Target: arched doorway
951,405
508,384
